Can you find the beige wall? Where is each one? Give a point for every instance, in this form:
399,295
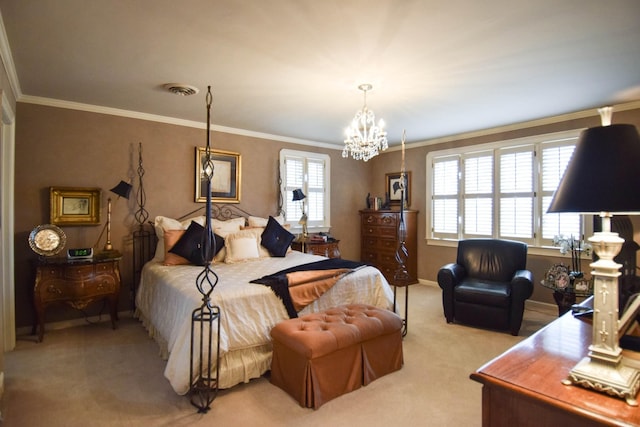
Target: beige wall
62,147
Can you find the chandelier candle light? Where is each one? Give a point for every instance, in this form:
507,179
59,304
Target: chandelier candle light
365,139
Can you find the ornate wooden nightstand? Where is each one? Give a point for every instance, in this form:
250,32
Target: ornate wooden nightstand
77,283
329,249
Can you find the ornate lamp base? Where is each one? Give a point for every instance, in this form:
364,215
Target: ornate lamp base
616,379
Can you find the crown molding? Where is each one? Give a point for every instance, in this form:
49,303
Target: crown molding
50,102
522,125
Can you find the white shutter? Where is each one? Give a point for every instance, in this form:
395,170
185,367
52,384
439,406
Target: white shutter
294,178
516,193
554,162
478,194
315,191
445,197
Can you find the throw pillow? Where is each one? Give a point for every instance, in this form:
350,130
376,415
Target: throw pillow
276,238
189,245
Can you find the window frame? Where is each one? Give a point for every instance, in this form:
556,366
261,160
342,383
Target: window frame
316,226
538,142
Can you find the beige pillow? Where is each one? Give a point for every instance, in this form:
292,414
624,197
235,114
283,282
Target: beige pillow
244,250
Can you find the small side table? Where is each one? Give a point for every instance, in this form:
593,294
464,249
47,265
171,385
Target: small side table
77,283
565,287
329,248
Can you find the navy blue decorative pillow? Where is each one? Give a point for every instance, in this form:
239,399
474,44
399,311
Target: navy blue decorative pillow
276,238
189,245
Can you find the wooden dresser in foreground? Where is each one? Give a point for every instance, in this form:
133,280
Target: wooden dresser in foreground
522,387
379,241
76,283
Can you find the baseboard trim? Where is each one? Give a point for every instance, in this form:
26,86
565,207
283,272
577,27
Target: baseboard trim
64,324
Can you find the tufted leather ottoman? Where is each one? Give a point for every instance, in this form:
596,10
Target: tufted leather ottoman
320,356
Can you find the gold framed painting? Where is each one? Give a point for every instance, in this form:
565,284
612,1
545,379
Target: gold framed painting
225,186
74,205
393,188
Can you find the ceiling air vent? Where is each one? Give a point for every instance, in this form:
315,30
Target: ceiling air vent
181,89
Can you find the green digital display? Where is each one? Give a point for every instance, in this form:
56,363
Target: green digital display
80,253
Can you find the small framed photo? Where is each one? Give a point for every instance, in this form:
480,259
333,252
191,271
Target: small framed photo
225,185
394,188
74,205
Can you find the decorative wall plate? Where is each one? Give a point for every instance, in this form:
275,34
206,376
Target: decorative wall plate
47,239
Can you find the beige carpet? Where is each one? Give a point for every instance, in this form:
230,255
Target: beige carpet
92,375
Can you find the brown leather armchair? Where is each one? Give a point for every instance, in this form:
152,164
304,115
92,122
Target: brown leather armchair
487,285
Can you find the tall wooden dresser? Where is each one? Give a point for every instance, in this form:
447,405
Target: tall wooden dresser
379,241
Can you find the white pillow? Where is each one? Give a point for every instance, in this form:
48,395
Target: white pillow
224,228
257,221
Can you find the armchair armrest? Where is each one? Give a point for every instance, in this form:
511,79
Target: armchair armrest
450,275
522,285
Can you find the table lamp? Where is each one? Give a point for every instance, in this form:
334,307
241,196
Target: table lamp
602,178
123,189
298,195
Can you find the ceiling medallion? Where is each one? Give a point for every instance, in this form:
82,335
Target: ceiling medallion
365,139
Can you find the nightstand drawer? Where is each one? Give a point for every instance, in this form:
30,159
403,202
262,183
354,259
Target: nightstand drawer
79,272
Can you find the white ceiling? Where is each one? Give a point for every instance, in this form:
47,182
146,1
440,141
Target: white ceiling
291,68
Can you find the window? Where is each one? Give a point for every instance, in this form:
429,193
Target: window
311,172
501,190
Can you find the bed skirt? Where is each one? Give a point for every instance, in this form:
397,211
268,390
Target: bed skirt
237,366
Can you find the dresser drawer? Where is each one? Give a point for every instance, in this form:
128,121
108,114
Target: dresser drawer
385,219
380,244
372,230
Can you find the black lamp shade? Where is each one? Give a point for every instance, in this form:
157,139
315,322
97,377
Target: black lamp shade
123,189
604,173
298,194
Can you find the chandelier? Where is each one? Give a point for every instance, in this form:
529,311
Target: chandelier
364,139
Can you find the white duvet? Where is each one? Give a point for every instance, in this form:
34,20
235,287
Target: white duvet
167,296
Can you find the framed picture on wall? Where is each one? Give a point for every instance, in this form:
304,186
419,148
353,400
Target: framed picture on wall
225,186
74,205
394,189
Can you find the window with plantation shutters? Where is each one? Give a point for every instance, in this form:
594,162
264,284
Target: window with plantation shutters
500,190
310,172
445,196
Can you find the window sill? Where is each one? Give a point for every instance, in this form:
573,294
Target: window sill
532,250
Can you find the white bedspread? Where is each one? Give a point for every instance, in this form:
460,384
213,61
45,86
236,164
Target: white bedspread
167,296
